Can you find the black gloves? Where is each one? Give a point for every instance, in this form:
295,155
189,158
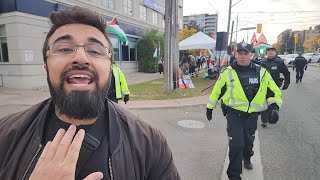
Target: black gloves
305,68
285,86
273,111
209,114
126,98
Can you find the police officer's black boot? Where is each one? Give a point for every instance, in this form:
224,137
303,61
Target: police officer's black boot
247,164
297,80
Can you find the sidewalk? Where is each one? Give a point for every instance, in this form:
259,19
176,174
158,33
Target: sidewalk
31,97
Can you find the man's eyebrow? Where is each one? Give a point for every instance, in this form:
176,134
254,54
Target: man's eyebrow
65,37
94,40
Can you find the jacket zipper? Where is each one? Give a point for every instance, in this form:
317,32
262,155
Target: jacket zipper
110,169
32,160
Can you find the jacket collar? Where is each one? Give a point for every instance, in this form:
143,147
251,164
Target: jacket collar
115,136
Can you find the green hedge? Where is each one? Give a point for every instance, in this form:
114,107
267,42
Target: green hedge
146,47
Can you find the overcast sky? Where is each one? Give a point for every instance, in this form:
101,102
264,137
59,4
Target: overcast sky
275,15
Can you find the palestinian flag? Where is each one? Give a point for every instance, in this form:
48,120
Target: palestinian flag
253,39
114,28
262,39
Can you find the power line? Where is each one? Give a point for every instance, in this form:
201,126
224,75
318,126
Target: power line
273,12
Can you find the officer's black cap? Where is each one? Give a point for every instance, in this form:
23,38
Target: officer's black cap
271,48
244,46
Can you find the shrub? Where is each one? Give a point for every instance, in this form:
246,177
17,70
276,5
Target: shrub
146,48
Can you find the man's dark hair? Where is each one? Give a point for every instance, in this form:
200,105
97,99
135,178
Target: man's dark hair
75,15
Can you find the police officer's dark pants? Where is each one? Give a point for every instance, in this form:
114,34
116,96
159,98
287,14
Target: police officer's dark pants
241,131
299,74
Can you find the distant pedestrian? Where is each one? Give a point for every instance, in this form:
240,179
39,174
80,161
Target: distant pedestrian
300,63
160,65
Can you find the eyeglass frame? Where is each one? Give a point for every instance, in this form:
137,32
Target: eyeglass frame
76,48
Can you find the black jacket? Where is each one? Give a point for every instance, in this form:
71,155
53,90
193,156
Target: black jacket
300,62
138,151
276,66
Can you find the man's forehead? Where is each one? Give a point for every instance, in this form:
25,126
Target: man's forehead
78,32
242,51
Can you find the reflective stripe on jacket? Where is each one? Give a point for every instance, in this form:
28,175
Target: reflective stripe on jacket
121,85
235,97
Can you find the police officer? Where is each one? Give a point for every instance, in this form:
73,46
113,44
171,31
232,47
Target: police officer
243,87
275,65
118,86
300,63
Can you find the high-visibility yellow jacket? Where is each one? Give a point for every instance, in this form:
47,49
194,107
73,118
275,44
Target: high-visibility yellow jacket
235,97
121,85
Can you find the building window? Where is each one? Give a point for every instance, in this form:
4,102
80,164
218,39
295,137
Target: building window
4,57
143,13
127,7
107,4
154,18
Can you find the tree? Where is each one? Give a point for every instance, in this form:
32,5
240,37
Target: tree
146,48
310,44
277,46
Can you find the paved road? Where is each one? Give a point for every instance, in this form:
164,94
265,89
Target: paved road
291,148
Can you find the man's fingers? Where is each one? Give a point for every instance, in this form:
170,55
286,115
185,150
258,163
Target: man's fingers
94,176
74,149
52,149
65,143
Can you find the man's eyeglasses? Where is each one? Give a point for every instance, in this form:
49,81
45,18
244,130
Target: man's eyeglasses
64,48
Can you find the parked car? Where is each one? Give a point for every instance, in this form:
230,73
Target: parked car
289,58
312,57
281,56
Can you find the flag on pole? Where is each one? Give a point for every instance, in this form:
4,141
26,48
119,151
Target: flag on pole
155,54
262,39
113,27
253,39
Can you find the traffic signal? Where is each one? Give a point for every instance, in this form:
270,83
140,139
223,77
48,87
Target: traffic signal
296,39
259,28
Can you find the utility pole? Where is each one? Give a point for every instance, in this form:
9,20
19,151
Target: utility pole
171,45
231,34
229,17
237,29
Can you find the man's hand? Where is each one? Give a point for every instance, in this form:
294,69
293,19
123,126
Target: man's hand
59,157
273,114
285,86
293,68
209,114
126,98
305,68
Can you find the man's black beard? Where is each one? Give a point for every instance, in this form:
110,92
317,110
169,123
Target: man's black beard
82,105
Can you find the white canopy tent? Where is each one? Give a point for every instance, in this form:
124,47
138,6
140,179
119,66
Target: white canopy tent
197,41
